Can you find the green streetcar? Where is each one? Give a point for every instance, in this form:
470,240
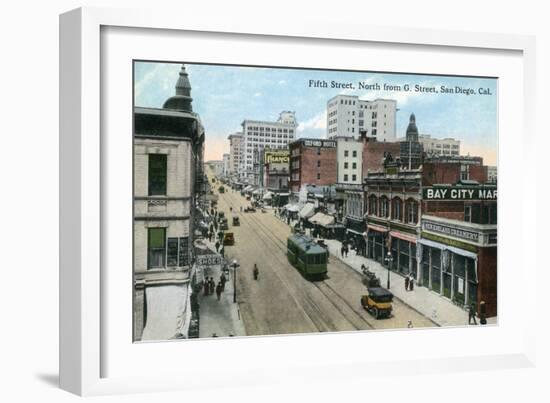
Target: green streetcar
307,256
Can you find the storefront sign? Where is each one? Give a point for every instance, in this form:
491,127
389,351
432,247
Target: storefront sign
451,231
209,260
450,242
277,157
320,143
460,193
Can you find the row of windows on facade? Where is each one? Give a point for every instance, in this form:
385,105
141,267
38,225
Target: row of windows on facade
439,145
163,252
473,213
268,129
256,136
382,208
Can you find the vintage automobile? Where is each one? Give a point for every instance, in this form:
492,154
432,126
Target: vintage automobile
249,209
221,189
236,221
378,302
228,238
223,224
369,279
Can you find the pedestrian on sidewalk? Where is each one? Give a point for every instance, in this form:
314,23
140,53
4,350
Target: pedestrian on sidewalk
342,250
241,209
407,279
256,272
223,280
411,283
212,285
206,287
219,290
210,236
217,245
472,314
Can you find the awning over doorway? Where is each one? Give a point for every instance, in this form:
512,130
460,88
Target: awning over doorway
167,312
322,219
307,211
405,237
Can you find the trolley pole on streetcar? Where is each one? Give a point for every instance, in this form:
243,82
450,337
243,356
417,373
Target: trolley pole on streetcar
234,265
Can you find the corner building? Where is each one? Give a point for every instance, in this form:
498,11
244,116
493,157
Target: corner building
168,159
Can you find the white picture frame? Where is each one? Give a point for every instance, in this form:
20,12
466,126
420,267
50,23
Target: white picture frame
83,351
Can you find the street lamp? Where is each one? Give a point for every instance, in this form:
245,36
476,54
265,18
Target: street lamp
389,260
234,265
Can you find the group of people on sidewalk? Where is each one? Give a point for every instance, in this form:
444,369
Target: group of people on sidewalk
209,286
409,283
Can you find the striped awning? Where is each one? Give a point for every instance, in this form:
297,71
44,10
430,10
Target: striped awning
377,228
405,237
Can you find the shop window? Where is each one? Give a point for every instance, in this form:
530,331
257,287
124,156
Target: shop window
156,247
436,269
157,174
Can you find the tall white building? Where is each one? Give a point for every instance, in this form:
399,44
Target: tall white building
235,152
258,135
348,116
349,159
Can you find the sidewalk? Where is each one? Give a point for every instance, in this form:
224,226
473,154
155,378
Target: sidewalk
219,317
430,304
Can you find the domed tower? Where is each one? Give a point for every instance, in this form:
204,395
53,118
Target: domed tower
411,148
182,100
412,130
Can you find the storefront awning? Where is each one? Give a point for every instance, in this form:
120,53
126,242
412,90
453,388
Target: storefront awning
167,316
293,208
268,196
354,232
322,219
405,237
377,228
307,211
256,192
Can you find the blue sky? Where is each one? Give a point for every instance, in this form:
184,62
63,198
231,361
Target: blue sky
226,95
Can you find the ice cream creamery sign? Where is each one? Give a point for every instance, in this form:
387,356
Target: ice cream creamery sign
460,193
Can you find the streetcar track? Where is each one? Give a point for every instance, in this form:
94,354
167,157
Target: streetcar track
334,292
353,322
321,327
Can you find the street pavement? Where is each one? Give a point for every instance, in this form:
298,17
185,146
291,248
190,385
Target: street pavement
430,304
282,301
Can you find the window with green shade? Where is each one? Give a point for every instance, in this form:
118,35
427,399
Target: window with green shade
157,174
156,247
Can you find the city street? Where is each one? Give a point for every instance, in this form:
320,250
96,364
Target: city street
281,301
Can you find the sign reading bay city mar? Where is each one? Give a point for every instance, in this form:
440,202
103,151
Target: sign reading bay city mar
277,157
460,193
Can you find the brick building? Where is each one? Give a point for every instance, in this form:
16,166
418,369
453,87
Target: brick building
437,224
312,162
